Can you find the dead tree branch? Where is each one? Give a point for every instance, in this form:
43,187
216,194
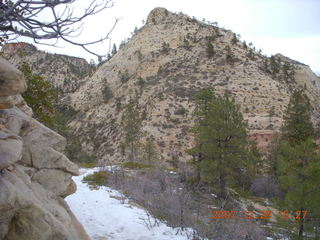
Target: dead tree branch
25,18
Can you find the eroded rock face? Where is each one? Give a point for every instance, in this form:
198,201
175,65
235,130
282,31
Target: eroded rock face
34,175
12,81
10,148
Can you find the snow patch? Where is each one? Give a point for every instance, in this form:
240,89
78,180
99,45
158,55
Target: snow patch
106,217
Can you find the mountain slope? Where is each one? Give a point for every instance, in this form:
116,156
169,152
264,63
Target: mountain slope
164,64
64,72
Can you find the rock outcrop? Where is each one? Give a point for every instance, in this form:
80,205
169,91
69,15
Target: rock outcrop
34,175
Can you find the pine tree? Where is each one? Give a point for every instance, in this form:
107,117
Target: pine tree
150,151
297,119
114,50
221,138
298,164
203,98
132,124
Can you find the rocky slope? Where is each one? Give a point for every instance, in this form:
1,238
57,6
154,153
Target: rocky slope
34,174
64,72
163,65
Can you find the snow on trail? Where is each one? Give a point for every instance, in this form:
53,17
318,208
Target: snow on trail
105,217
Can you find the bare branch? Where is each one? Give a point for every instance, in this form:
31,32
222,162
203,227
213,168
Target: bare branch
20,18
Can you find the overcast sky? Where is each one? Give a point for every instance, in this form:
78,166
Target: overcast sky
290,27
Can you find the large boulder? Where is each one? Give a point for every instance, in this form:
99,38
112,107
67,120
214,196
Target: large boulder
29,211
10,149
35,175
53,180
12,81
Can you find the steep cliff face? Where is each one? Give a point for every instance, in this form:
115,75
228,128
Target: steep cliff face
34,174
164,64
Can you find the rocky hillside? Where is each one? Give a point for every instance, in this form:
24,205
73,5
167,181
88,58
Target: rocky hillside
163,65
34,174
64,72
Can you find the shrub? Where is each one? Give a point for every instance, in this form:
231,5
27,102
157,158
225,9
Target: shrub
135,165
165,48
210,50
229,55
106,92
266,187
180,111
124,77
96,179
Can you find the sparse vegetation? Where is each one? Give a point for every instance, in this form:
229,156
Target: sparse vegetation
234,39
97,179
106,92
165,47
136,165
210,50
124,76
229,55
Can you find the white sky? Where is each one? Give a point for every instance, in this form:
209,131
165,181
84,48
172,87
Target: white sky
290,27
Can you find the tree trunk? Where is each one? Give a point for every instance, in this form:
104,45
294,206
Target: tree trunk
301,225
222,185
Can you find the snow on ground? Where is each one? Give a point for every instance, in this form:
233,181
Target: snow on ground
105,217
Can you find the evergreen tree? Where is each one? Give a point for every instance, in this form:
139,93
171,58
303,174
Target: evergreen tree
150,151
298,165
40,96
297,119
132,123
203,98
210,50
234,39
275,67
221,138
114,50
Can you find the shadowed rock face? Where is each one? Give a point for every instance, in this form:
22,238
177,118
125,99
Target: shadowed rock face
34,175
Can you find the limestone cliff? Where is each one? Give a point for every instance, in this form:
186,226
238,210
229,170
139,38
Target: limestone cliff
34,174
